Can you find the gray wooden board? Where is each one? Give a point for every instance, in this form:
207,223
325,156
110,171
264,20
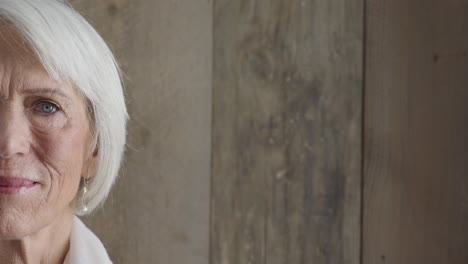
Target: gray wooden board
416,127
286,175
159,210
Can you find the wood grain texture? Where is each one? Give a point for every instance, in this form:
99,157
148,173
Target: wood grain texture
159,210
416,144
287,131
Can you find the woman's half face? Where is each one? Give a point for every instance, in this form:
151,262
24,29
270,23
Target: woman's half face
44,142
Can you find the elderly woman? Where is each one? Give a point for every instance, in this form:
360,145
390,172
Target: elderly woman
62,132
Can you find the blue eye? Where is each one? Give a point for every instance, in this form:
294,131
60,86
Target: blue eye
46,107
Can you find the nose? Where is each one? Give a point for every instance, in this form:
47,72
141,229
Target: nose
14,134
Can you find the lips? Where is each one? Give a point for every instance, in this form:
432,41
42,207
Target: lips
14,185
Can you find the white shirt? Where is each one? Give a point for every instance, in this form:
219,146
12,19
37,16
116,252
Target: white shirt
85,247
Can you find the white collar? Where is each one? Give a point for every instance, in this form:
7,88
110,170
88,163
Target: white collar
85,247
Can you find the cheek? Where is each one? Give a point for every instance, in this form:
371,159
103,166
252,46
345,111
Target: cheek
58,137
65,146
61,151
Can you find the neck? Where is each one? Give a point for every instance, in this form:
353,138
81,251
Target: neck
49,245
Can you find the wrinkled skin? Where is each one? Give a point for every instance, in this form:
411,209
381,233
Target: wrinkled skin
45,137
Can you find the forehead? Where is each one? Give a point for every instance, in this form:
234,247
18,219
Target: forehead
13,47
19,66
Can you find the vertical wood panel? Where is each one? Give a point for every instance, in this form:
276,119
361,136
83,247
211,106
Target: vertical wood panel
159,210
416,144
287,131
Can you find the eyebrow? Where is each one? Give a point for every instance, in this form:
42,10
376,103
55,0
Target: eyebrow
45,90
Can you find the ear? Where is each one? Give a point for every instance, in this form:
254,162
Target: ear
95,153
90,165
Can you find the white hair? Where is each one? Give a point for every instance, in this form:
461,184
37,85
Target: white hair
71,50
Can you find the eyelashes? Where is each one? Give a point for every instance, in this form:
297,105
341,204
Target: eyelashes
46,107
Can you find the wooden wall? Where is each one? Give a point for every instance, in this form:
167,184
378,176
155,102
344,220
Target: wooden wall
299,131
416,132
287,134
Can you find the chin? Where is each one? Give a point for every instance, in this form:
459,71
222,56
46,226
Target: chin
11,228
15,224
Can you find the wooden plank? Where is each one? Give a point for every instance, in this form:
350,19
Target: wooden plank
415,194
287,131
159,210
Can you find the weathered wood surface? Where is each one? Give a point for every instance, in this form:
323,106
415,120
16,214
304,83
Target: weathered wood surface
416,127
286,171
159,210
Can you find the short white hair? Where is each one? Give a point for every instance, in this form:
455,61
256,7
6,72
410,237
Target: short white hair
71,50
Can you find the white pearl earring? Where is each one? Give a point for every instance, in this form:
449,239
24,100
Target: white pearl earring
85,190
